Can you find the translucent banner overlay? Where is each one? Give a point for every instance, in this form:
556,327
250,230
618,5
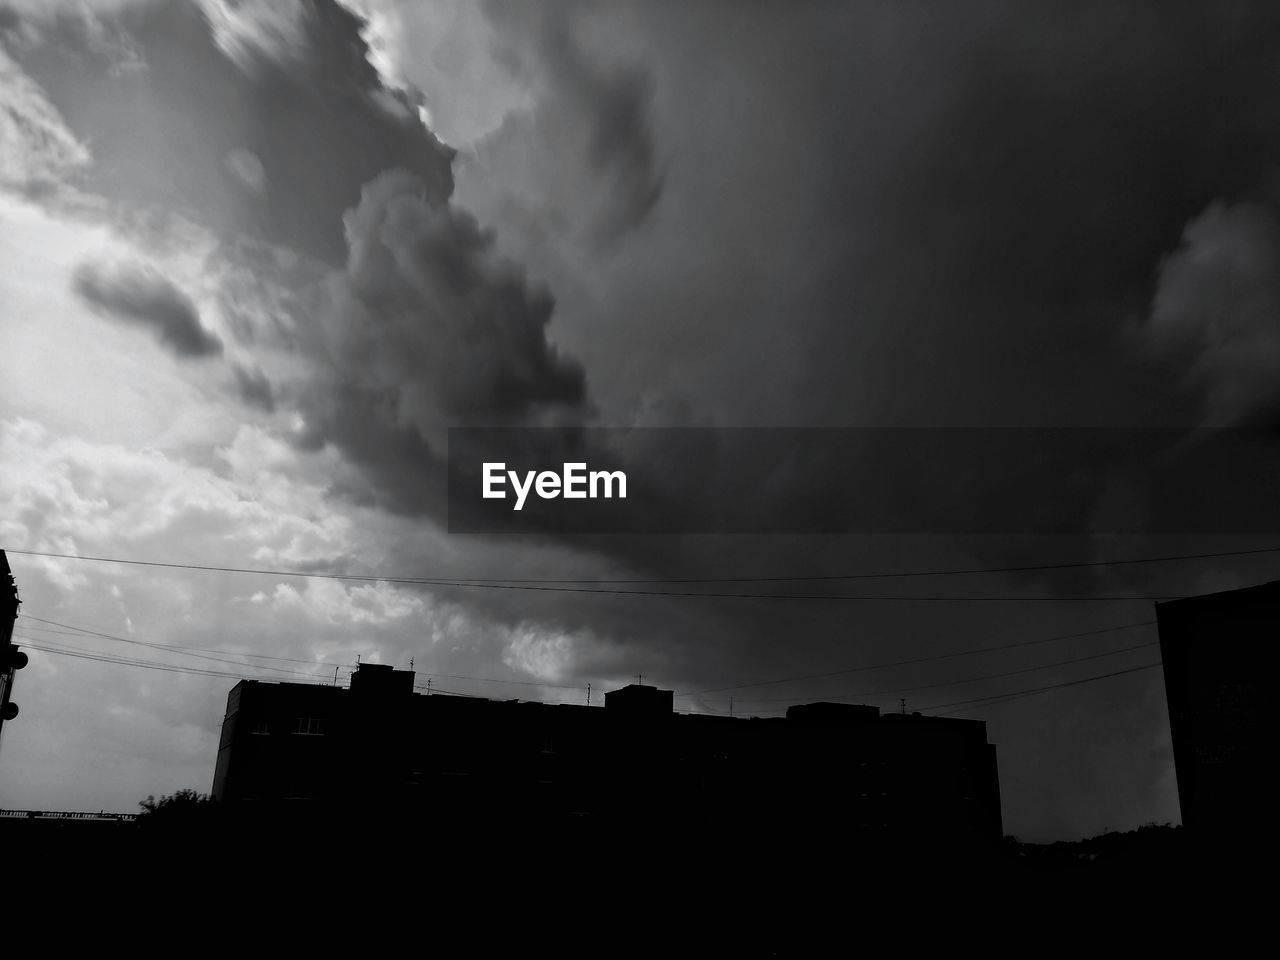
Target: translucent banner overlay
863,481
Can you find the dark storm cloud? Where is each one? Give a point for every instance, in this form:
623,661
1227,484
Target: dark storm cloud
879,214
880,217
465,325
922,218
584,155
873,214
305,110
427,327
139,295
1021,226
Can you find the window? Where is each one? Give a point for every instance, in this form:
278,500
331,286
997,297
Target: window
309,726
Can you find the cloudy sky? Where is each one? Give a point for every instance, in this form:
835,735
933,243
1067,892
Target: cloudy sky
257,258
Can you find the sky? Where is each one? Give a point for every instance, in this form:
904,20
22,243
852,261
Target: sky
256,259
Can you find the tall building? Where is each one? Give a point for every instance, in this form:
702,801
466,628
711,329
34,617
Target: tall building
1218,652
11,658
846,770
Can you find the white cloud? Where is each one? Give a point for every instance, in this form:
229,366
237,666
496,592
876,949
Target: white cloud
445,49
66,492
37,151
251,30
1218,299
334,602
540,652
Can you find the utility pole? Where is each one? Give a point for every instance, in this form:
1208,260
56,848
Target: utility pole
588,694
11,658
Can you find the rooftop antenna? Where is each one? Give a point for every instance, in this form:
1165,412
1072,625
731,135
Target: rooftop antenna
335,674
428,686
903,701
588,694
411,663
639,679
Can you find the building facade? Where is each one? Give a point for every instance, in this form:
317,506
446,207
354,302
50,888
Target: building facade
839,768
1218,652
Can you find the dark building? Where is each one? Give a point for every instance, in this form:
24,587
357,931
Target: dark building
11,658
836,767
1218,651
9,601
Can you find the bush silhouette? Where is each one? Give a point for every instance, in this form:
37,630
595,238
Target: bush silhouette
183,810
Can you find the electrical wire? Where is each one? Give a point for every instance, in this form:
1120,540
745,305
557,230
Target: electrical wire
1019,694
459,581
961,681
183,651
928,659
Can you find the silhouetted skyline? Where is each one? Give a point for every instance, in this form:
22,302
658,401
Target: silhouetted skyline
838,769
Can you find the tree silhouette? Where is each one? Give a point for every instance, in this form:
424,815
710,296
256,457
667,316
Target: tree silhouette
183,810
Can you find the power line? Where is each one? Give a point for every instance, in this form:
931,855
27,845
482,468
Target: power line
495,581
81,654
964,680
183,651
703,594
196,656
49,646
275,675
433,690
979,703
519,683
863,668
79,631
1019,694
726,595
174,648
448,693
899,574
170,646
973,703
914,660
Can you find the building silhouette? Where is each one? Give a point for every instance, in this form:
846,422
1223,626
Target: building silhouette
847,771
11,658
1218,651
